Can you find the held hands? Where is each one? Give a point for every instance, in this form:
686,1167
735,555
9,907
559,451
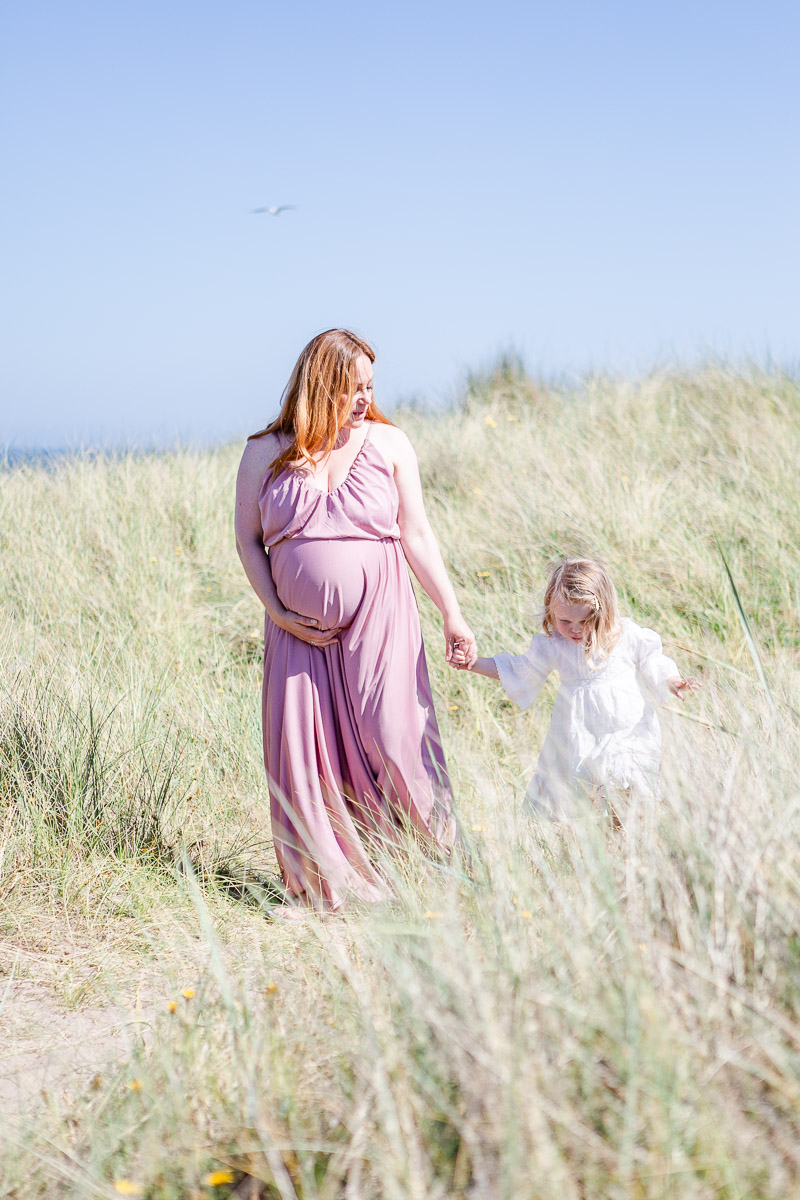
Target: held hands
681,687
460,657
461,649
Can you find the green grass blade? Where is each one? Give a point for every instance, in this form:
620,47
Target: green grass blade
748,633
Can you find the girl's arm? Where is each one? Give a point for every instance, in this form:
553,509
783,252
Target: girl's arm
257,456
659,671
522,675
678,686
419,541
485,666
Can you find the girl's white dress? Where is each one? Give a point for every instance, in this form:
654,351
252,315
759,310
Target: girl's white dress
604,732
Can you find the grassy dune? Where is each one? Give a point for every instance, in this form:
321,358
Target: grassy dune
579,1014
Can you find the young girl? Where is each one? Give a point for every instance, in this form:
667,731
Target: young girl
604,733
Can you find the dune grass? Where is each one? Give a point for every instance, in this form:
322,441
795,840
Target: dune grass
559,1012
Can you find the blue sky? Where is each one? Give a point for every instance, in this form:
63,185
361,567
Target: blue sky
605,185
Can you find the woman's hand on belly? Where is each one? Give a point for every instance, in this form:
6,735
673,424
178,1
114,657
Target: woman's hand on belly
324,581
305,628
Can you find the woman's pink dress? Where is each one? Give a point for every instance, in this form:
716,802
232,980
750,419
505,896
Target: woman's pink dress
351,744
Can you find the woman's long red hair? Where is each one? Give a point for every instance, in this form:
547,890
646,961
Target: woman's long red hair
312,408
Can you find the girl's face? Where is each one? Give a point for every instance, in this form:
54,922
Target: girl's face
356,409
573,621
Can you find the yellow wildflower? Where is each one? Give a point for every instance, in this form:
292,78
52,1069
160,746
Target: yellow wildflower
272,989
217,1178
126,1187
135,1085
187,993
491,421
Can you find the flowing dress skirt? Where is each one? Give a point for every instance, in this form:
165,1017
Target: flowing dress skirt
351,744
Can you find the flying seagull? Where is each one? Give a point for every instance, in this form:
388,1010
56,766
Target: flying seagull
274,209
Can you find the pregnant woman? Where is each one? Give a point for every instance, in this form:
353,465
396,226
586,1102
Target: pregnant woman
329,510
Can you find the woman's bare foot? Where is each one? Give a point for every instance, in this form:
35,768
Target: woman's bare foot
289,912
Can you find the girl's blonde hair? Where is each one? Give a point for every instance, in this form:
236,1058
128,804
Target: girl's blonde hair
312,410
583,581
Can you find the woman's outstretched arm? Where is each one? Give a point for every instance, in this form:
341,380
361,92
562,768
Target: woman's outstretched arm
419,541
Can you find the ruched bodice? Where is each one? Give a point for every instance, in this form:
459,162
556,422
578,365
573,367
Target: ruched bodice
363,506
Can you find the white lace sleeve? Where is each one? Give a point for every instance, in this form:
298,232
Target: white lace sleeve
523,675
652,663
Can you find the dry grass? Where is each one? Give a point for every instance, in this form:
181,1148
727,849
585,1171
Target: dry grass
579,1013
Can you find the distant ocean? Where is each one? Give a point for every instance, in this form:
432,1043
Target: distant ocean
12,456
51,456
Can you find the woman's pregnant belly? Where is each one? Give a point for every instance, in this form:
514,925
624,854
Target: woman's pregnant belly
326,580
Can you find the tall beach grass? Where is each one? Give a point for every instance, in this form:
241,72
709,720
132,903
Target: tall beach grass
568,1012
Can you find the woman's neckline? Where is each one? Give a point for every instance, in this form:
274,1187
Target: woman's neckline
309,476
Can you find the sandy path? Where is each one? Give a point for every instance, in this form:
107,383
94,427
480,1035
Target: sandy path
56,1034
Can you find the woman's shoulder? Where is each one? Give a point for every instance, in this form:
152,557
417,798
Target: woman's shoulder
394,448
264,447
389,438
258,455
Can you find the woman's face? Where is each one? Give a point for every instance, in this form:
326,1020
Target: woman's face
356,409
